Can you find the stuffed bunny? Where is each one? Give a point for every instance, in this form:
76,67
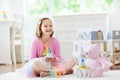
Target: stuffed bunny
93,60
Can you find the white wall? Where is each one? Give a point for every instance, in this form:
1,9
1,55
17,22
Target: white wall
11,7
16,6
114,16
4,6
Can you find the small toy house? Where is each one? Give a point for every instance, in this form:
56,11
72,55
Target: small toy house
85,38
98,38
81,42
113,43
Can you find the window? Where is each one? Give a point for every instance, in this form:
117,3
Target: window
98,5
36,7
66,6
39,7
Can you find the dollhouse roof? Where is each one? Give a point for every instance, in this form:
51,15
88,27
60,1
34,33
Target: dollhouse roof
89,35
114,34
82,36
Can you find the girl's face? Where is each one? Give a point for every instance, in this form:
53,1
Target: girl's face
47,27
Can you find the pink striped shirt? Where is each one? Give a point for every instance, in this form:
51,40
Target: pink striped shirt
38,46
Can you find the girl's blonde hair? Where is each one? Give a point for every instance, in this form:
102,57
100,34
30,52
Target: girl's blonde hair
38,29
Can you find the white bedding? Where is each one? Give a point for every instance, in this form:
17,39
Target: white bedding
18,75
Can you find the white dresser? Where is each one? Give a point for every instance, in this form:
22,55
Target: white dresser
5,52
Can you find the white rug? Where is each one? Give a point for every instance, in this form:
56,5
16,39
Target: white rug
110,75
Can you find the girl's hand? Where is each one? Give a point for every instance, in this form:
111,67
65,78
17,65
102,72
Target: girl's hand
52,60
47,59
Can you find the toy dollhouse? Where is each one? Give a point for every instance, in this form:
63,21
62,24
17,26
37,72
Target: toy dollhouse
85,38
82,40
113,41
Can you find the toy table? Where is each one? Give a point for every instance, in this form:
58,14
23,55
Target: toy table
84,69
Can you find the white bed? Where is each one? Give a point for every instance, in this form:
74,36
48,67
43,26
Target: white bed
18,75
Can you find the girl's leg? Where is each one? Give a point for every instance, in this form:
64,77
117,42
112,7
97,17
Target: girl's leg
38,68
68,64
44,73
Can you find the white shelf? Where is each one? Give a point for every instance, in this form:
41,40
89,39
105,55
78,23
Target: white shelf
5,52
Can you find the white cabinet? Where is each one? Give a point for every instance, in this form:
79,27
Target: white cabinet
66,27
5,54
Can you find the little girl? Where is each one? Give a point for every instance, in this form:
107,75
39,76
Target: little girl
44,43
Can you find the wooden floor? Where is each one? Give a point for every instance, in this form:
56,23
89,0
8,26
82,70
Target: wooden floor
9,68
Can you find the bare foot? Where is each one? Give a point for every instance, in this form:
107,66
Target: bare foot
69,71
44,73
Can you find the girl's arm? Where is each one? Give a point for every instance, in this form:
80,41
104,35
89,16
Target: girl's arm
33,50
57,51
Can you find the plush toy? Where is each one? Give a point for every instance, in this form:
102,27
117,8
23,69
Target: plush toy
94,61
